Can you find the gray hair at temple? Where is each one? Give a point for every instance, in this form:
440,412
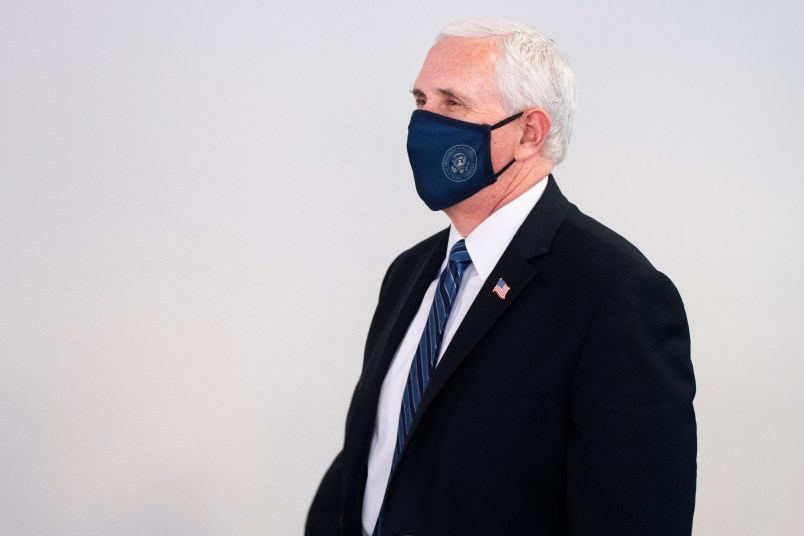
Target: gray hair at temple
531,72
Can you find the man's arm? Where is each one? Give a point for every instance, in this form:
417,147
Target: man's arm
324,517
631,463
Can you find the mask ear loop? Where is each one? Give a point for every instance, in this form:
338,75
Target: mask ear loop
509,164
502,124
505,121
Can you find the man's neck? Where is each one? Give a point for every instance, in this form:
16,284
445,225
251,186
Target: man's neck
468,214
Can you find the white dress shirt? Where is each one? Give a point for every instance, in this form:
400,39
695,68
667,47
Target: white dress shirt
485,245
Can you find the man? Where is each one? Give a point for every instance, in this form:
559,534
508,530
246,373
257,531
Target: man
527,370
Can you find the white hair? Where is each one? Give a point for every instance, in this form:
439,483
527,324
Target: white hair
531,72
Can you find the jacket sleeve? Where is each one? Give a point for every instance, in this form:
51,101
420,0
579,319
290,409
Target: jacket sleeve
631,465
324,516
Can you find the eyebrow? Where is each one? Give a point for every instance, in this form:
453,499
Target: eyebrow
446,92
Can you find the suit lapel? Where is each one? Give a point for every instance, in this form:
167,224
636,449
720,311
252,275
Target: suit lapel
532,240
405,303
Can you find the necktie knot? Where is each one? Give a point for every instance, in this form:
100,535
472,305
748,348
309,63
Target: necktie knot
459,254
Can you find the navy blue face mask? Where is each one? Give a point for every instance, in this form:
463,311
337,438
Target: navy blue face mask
451,159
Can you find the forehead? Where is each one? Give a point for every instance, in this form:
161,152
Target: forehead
462,64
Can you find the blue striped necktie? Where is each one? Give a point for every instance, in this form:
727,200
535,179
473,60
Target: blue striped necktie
424,361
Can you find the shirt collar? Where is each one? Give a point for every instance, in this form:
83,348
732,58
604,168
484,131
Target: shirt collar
488,241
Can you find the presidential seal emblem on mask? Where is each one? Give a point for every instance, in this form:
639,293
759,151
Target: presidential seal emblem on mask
459,163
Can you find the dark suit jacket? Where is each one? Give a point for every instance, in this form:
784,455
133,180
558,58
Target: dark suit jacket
564,409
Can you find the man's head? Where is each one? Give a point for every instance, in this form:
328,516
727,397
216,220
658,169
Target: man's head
528,71
497,73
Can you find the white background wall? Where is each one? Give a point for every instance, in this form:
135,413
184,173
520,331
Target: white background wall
198,201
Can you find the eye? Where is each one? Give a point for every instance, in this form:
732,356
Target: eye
420,101
453,103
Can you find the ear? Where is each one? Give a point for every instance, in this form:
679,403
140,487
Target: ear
537,125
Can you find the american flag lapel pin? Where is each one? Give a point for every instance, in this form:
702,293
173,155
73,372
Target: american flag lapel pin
501,289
